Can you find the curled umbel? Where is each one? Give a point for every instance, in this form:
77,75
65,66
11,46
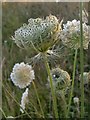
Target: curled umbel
61,78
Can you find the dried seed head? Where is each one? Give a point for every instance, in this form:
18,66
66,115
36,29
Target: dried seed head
61,79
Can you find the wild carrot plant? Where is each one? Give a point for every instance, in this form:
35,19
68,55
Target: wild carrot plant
43,35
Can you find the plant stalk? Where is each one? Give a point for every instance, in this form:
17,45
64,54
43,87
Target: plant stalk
81,62
72,87
38,98
51,86
63,103
3,113
16,101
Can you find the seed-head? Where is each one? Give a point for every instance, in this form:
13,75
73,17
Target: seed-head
61,78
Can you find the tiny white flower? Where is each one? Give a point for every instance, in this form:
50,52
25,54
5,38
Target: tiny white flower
24,100
22,75
76,100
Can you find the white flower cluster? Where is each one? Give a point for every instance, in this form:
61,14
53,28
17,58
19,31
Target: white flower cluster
76,100
24,100
86,77
38,32
22,75
61,78
70,35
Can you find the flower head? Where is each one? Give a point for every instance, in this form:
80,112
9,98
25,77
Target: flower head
39,33
61,78
70,35
24,100
86,77
22,75
76,100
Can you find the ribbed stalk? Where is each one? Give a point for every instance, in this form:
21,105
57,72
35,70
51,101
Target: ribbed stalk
72,87
51,86
38,99
63,103
81,62
16,101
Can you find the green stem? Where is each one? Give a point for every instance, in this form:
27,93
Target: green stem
63,103
16,101
3,112
72,87
51,86
38,99
81,62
